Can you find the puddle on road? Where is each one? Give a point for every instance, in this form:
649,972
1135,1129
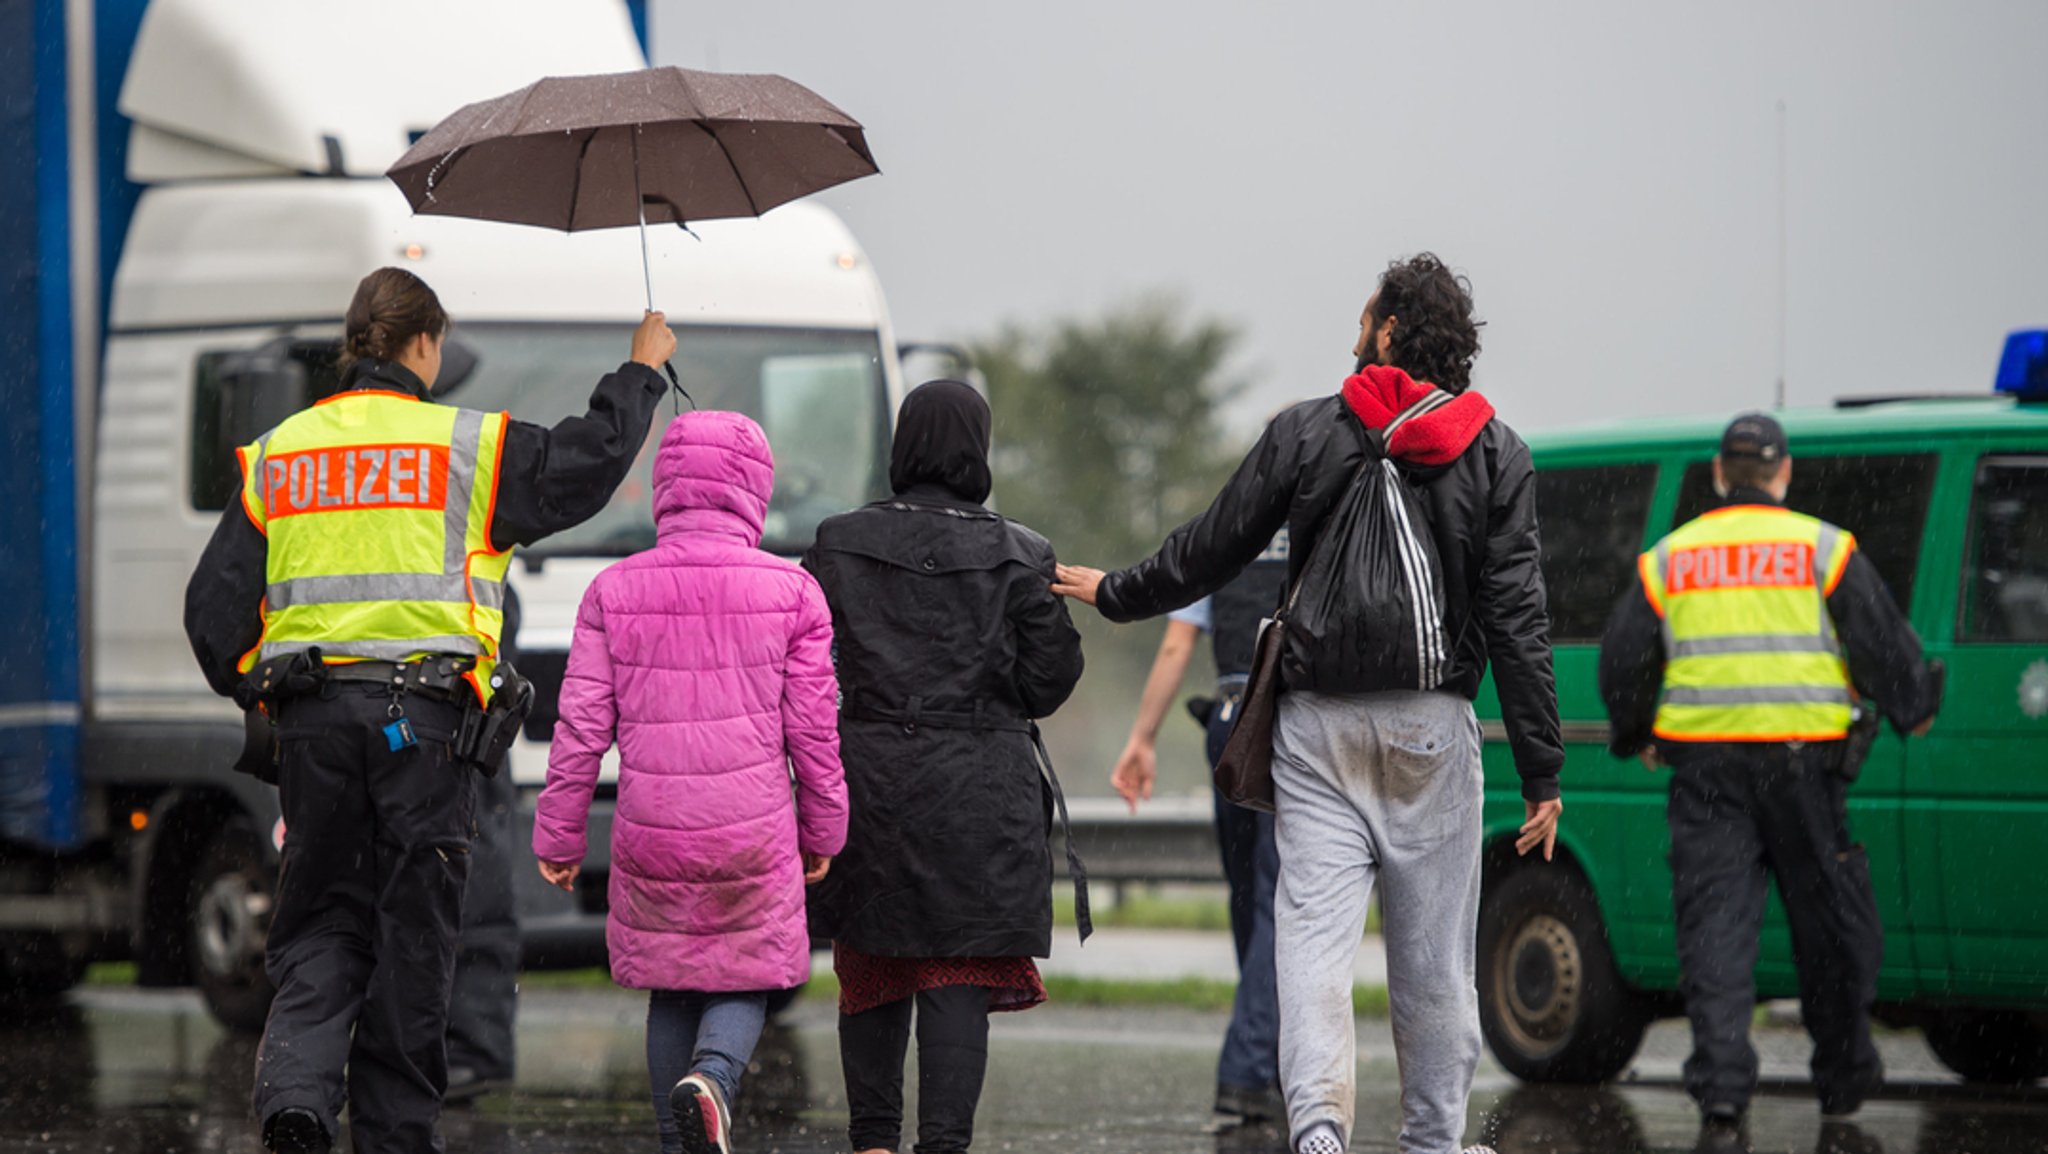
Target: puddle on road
146,1072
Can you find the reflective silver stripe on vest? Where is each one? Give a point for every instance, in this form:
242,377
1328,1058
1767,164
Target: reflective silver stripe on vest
303,591
1823,551
1758,695
256,470
1663,553
1757,643
463,448
459,645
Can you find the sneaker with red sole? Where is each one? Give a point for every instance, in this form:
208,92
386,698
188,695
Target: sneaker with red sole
701,1116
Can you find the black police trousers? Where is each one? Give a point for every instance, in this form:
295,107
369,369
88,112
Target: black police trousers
1740,812
369,900
484,1007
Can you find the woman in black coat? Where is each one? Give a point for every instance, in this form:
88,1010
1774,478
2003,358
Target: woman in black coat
948,643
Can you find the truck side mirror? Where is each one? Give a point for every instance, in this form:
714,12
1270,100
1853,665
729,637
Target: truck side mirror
923,361
458,362
260,388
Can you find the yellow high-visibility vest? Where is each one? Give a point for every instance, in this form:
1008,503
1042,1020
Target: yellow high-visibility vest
1749,646
378,507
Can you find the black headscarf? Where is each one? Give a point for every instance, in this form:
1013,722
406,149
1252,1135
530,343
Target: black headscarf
942,437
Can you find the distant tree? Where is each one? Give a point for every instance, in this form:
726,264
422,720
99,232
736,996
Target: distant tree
1107,435
1107,429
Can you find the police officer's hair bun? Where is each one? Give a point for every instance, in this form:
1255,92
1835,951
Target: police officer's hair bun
391,307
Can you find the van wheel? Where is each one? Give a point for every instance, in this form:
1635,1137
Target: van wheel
1551,1002
232,892
2002,1047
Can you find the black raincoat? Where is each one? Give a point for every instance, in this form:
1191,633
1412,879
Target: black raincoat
948,642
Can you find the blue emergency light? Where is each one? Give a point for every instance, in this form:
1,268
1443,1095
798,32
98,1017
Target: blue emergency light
2023,370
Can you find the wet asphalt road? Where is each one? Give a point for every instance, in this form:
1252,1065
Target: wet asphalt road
146,1072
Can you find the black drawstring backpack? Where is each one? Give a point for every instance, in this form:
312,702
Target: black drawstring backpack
1368,615
1365,614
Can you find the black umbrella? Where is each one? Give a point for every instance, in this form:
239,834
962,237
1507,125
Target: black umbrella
661,144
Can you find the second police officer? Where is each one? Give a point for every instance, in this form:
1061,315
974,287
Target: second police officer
377,528
1737,659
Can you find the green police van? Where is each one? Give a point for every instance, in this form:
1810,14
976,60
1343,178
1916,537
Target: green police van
1949,499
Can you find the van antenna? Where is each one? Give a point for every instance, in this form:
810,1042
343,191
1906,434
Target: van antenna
1783,301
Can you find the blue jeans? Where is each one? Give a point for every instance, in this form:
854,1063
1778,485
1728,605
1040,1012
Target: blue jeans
1251,864
688,1032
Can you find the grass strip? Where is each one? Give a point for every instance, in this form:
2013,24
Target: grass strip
1177,993
1149,911
109,974
1061,989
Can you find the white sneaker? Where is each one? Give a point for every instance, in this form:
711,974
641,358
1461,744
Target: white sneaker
1320,1139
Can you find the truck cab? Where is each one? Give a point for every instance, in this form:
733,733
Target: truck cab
262,203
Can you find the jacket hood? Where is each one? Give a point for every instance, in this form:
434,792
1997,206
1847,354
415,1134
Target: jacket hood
713,473
942,438
1435,436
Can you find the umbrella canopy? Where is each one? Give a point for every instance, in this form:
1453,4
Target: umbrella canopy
660,144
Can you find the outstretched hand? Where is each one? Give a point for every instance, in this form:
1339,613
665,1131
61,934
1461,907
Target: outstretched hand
1135,772
1076,581
1541,828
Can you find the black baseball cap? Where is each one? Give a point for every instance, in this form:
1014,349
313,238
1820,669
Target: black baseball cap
1756,436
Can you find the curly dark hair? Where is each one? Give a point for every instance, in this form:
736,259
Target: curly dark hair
1435,336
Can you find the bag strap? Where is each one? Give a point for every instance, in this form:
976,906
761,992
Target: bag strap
1076,870
1375,451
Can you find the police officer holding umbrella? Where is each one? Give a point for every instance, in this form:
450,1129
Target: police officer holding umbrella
1737,659
356,595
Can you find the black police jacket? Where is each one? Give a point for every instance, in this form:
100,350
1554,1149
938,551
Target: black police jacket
548,480
1883,652
1482,513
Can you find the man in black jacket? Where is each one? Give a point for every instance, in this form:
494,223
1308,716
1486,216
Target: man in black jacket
1386,786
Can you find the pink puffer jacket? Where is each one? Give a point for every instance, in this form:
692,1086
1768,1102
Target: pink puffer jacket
709,662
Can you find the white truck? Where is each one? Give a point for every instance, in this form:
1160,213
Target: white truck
258,133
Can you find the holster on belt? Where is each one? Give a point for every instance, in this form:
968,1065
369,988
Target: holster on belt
1864,726
268,685
487,734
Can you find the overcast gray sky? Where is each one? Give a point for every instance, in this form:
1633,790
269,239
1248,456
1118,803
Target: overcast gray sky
1606,172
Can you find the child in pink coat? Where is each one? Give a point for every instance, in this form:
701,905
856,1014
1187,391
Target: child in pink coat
709,663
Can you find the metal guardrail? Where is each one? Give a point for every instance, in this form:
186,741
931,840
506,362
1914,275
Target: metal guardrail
1169,839
1173,839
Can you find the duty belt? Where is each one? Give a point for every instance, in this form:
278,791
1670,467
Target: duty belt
977,718
436,677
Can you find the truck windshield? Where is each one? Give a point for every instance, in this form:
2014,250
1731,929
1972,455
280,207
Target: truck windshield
818,393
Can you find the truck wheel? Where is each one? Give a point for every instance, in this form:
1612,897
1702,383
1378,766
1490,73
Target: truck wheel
1551,1002
230,918
2003,1047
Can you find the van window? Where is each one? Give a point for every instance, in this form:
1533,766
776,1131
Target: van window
2005,569
1592,522
241,393
1882,499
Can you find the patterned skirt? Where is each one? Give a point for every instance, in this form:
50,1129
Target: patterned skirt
870,980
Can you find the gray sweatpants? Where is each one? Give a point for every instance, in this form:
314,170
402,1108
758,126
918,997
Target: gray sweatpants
1384,787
